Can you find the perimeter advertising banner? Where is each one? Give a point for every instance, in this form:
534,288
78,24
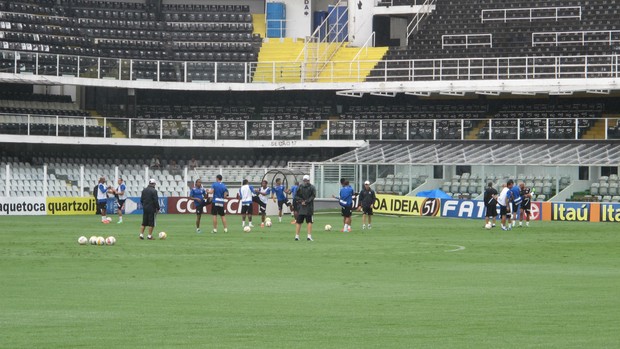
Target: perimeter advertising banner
71,206
572,211
610,212
406,205
186,205
22,206
475,209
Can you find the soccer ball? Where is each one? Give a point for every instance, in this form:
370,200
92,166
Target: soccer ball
93,240
100,241
109,219
82,240
328,227
162,235
111,240
268,223
247,229
488,226
267,220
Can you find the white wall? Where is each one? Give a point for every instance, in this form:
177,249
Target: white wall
360,21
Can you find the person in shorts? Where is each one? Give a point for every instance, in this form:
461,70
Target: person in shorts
261,199
220,195
345,199
200,197
150,204
305,196
490,204
526,204
367,198
278,194
246,195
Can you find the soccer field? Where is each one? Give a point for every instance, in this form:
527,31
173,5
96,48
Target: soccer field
408,283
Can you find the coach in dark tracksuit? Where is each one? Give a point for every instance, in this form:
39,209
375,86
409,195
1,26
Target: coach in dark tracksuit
150,207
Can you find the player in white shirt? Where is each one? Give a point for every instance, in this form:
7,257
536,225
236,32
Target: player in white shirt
264,192
246,194
505,205
121,196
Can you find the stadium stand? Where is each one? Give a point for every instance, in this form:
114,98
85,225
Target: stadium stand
202,34
498,28
63,176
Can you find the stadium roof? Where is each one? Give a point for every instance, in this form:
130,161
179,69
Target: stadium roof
540,154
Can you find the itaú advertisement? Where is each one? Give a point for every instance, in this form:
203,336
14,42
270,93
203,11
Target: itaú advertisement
572,211
476,209
186,205
22,206
406,205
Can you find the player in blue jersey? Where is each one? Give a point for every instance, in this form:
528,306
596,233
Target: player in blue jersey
280,194
200,197
102,199
294,208
121,196
261,199
345,199
220,195
515,194
246,195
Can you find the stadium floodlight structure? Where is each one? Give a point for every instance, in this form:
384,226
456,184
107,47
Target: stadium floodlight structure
422,166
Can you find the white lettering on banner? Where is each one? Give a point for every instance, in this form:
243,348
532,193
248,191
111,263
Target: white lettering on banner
467,209
449,205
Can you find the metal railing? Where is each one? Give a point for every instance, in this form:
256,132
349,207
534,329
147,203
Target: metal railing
531,13
448,69
414,24
576,37
287,133
466,40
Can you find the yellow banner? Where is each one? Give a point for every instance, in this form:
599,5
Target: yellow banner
406,205
71,206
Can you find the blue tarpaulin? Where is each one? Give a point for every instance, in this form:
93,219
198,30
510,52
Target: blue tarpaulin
434,194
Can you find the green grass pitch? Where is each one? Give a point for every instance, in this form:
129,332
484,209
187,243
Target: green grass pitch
408,283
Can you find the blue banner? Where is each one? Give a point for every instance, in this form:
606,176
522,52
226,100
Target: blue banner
610,212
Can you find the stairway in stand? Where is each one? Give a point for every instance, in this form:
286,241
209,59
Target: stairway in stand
277,61
343,67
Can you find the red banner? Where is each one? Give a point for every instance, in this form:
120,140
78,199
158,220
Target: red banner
185,205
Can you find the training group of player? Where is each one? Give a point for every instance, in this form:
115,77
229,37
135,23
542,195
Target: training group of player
513,200
301,205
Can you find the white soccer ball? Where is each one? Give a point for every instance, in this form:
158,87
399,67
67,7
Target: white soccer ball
109,219
247,229
100,241
488,226
268,223
93,240
82,240
267,220
162,235
328,227
110,240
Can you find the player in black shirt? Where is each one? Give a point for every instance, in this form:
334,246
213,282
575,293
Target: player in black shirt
490,203
526,204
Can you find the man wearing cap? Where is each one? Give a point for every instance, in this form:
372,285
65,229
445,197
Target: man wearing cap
305,200
367,199
150,206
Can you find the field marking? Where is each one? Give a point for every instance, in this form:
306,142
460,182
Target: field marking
458,248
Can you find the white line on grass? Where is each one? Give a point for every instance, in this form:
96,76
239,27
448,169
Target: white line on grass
458,248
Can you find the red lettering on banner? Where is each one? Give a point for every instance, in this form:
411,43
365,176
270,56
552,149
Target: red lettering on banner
183,205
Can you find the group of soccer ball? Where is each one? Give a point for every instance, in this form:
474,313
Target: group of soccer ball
97,240
110,240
